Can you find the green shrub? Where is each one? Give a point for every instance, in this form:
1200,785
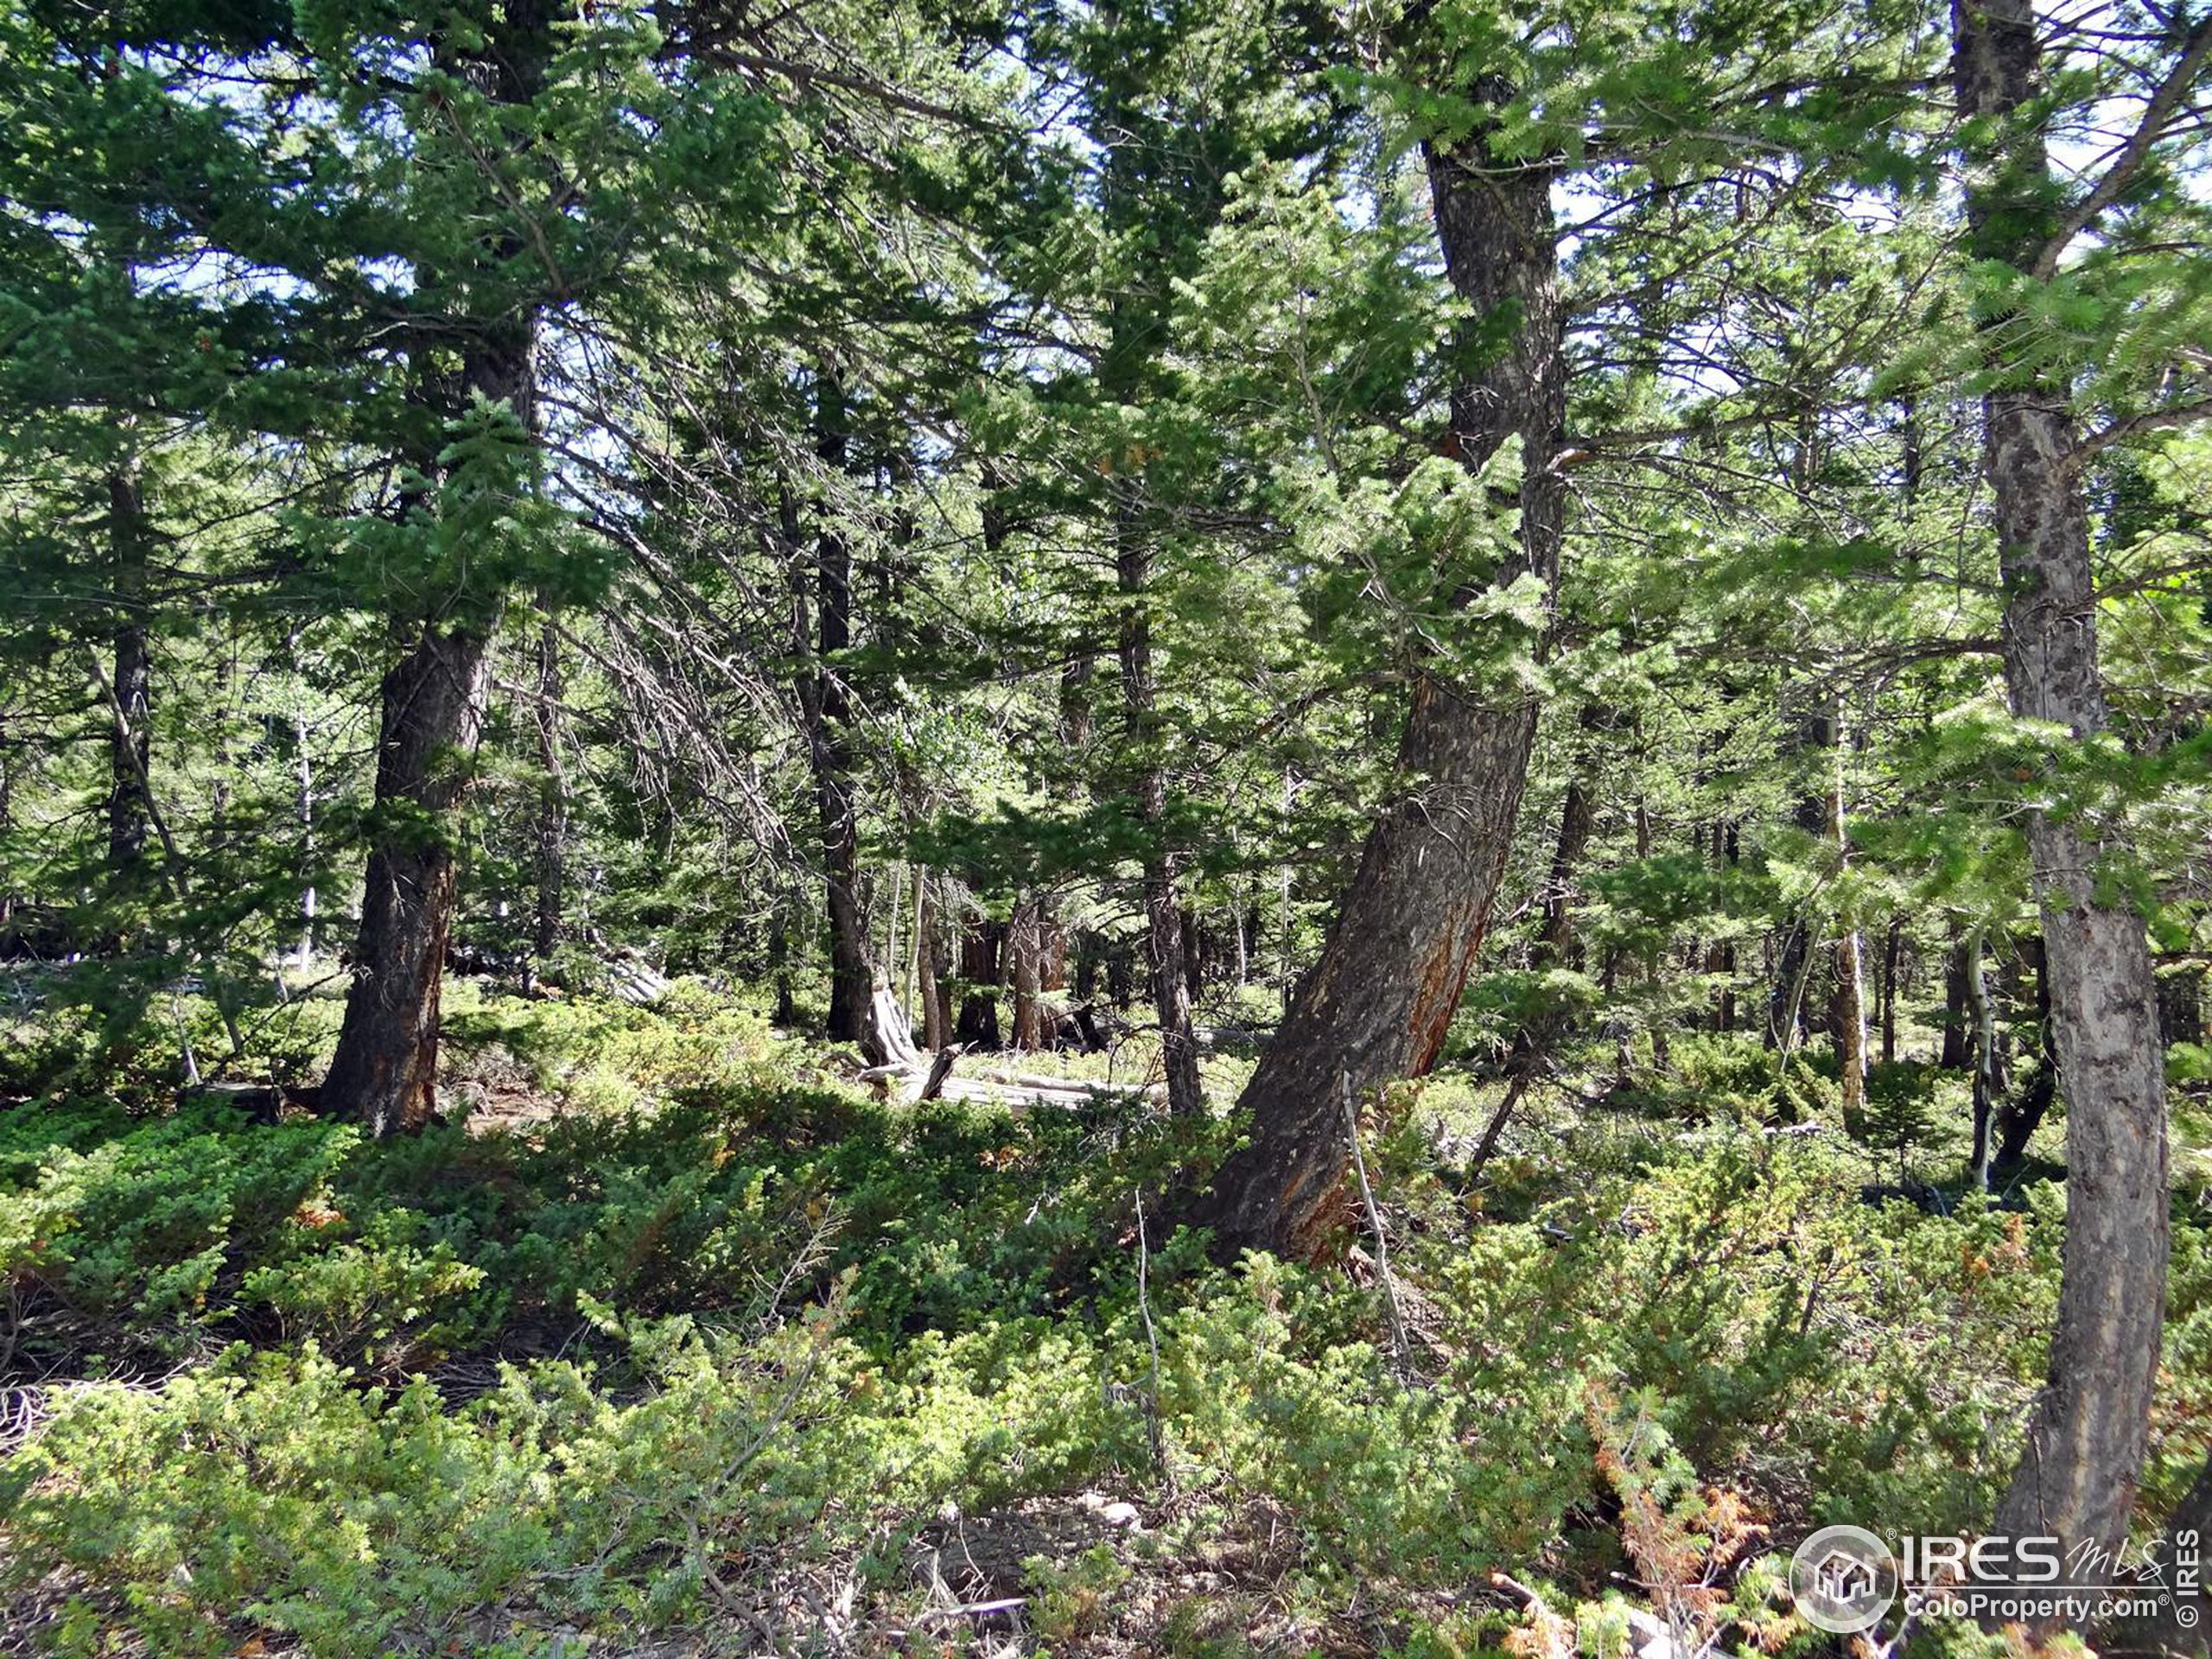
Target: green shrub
383,1298
137,1241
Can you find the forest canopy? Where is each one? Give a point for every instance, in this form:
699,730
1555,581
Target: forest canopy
1102,826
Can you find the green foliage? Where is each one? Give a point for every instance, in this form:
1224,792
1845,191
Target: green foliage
134,1244
796,1325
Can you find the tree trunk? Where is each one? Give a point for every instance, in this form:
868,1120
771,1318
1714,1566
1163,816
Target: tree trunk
937,1025
1985,1061
303,811
1377,1004
826,708
1785,997
552,831
1848,1013
2181,1005
2023,1112
1051,947
2085,1441
1890,952
2183,1624
433,702
1163,909
780,968
1022,947
1727,846
1957,1052
980,947
385,1071
129,744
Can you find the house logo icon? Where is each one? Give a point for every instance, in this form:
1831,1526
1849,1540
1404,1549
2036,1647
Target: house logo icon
1843,1579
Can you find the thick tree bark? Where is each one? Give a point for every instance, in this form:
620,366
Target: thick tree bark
2085,1441
129,744
1023,944
385,1071
980,946
1377,1004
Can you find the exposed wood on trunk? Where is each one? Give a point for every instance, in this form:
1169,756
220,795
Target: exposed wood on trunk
1377,1004
2087,1439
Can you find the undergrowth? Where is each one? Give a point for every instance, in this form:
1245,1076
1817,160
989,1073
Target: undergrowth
723,1351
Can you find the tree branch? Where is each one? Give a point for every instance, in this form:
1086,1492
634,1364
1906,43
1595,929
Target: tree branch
2164,102
2150,421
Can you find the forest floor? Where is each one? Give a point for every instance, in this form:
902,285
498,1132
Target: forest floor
676,1341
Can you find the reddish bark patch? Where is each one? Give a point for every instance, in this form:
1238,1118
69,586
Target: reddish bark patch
1437,985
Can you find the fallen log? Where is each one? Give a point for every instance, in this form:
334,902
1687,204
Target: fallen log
902,1071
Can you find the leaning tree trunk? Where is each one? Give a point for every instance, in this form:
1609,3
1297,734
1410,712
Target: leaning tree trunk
2086,1441
1376,1006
